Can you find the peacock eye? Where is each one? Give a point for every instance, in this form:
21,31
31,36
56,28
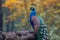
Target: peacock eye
43,39
41,32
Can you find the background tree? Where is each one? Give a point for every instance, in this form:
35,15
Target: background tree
1,16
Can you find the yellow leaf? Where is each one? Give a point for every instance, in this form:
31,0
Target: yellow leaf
45,2
23,20
58,4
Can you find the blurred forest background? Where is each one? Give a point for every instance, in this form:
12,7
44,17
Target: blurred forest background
16,15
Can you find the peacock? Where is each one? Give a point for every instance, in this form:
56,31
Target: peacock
38,25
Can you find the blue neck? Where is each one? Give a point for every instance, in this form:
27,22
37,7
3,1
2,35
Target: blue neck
33,12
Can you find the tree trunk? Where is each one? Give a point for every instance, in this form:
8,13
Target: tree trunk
12,23
12,26
8,23
1,14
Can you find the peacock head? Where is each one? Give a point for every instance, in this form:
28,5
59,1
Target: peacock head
33,7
